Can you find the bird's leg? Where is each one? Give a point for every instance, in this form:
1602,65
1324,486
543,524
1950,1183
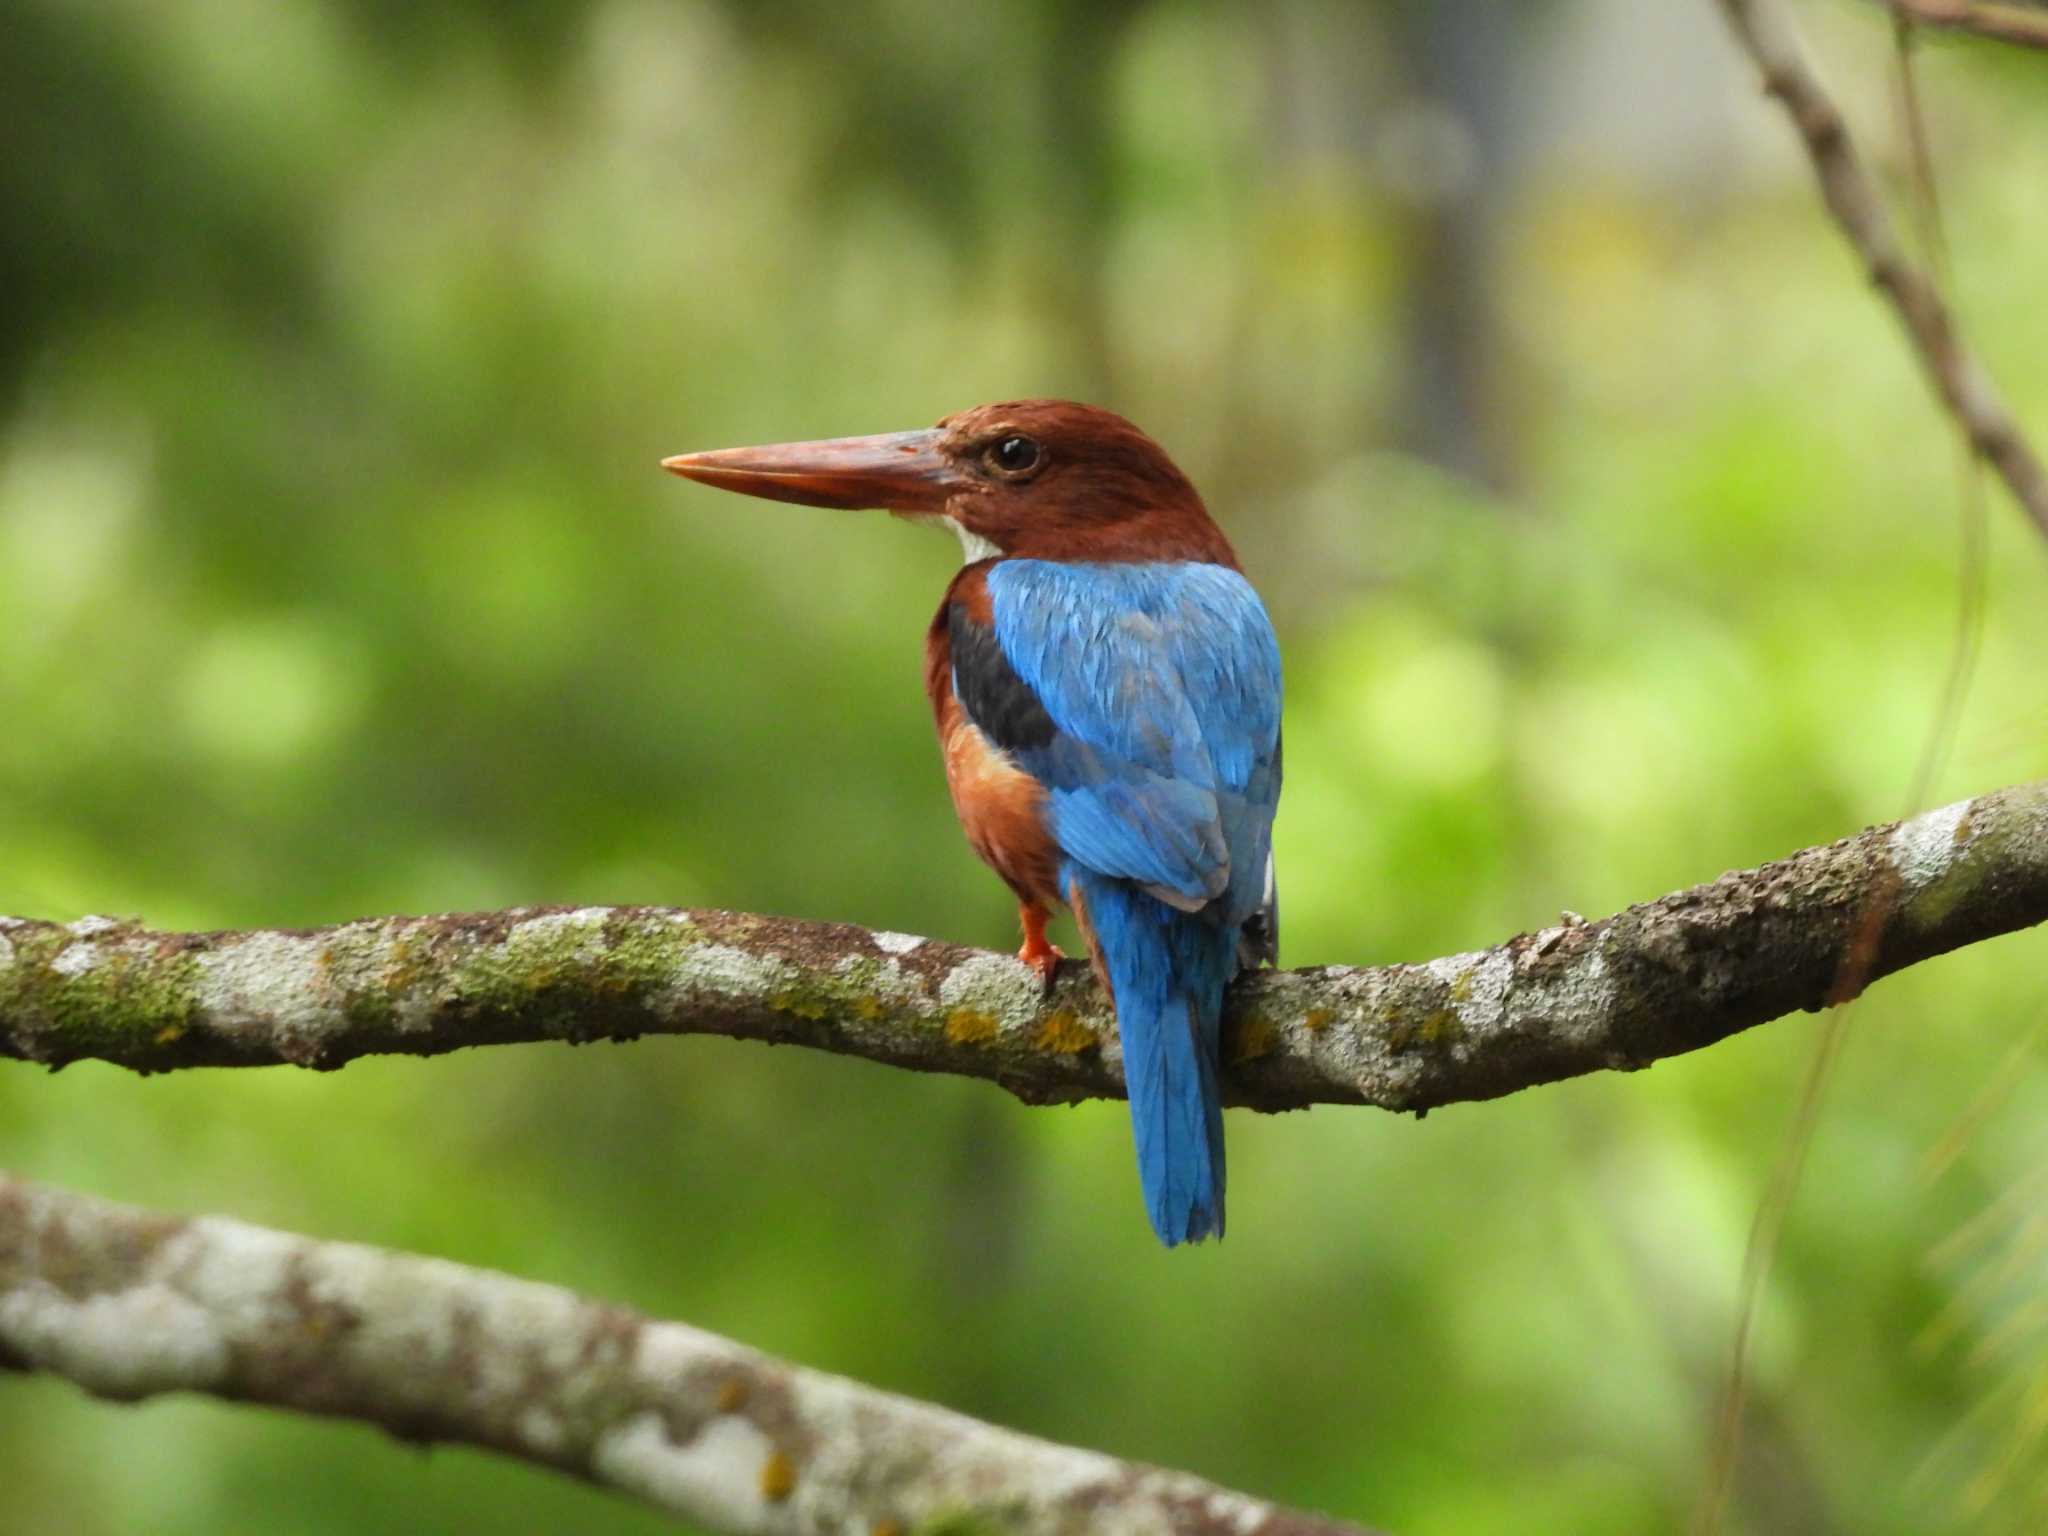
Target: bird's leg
1038,952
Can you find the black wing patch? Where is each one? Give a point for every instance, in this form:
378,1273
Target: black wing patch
997,700
1258,942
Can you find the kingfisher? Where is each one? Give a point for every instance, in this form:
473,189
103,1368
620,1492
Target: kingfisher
1106,686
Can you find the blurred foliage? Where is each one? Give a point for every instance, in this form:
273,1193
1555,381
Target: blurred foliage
341,338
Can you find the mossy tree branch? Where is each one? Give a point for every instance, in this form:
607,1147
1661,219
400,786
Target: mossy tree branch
130,1304
1656,980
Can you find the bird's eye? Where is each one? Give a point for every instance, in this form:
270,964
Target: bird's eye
1013,455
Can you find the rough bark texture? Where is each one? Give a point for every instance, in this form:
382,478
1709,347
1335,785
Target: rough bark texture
129,1304
1666,977
1766,31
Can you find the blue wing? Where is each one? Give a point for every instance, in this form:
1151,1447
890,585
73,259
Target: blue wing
1146,699
1162,685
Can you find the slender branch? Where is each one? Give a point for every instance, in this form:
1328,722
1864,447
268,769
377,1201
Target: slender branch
2023,25
1766,31
130,1303
1659,979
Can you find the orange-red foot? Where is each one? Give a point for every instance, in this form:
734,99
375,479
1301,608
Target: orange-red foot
1039,952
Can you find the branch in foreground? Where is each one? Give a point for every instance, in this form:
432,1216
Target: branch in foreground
129,1304
1669,976
1766,32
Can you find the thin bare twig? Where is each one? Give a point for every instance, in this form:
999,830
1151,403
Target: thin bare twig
2025,26
1766,31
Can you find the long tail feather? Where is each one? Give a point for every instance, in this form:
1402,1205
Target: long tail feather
1167,970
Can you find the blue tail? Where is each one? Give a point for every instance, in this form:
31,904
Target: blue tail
1168,970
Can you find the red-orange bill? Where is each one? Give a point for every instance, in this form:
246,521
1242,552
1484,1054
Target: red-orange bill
899,471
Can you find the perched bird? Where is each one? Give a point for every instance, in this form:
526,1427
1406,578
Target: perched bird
1107,691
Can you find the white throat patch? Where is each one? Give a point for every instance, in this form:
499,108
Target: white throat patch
973,546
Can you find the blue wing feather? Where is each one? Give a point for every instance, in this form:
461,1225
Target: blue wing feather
1161,683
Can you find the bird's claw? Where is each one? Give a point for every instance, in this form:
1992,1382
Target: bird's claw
1043,957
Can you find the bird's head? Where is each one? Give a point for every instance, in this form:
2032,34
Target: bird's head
1046,479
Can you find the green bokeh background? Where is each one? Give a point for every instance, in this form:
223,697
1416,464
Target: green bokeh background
1611,536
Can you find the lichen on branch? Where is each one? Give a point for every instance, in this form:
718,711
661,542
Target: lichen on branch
130,1303
1668,976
